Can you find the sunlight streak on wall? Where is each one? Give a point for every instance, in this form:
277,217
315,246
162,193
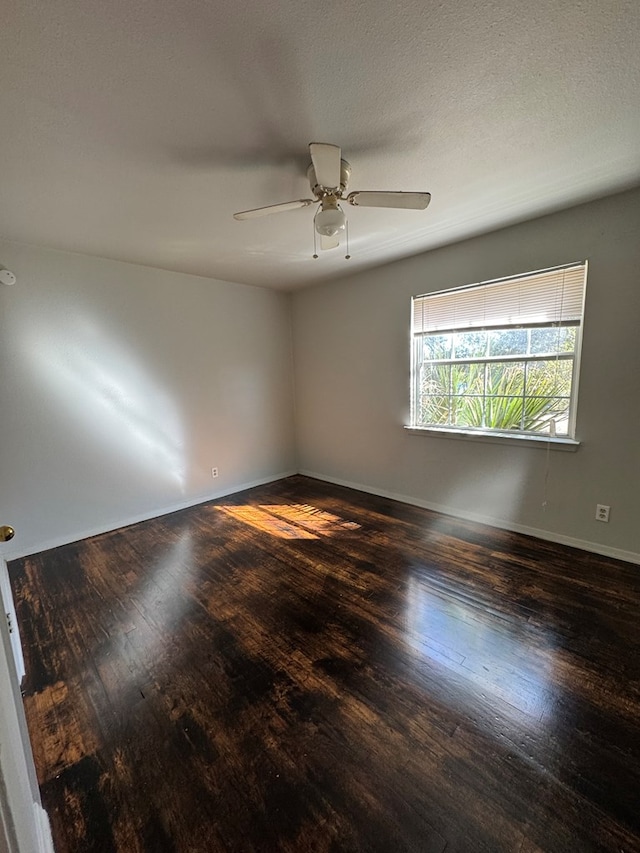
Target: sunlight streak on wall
107,388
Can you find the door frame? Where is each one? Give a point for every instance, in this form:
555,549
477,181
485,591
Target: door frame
23,822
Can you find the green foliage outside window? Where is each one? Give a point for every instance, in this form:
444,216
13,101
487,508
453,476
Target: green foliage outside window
525,395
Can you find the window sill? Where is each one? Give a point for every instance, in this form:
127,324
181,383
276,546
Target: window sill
543,441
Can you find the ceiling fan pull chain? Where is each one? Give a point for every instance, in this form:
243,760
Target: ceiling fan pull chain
315,247
346,227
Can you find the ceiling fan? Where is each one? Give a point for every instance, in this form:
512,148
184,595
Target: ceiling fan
328,176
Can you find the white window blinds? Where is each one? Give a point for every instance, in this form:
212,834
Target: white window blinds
552,296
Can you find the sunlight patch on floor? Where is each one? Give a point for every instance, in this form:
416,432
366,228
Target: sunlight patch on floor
289,521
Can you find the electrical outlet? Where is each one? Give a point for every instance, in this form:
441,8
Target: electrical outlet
602,512
214,473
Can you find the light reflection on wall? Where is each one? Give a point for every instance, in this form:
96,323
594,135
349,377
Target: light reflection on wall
108,389
506,484
476,649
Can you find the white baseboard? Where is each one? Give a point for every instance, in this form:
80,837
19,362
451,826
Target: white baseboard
501,524
116,524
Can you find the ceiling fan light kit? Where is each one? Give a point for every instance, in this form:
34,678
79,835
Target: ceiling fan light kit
329,221
329,176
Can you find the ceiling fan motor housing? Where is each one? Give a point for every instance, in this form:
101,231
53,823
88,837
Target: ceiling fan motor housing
319,191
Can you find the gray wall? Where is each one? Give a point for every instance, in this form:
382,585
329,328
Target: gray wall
351,355
122,386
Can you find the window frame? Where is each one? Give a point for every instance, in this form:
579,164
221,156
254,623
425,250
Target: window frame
568,440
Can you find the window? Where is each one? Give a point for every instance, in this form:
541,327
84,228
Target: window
500,356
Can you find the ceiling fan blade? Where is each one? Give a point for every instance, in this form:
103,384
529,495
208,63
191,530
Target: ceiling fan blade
326,163
329,242
274,208
409,201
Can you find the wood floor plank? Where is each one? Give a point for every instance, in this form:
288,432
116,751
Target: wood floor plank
302,667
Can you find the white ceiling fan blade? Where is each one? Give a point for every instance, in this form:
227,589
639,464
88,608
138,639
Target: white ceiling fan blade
409,201
329,242
274,208
326,163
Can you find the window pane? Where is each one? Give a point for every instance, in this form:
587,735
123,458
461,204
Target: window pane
504,412
551,339
549,378
539,411
467,378
436,378
467,411
435,410
505,378
469,344
437,346
508,342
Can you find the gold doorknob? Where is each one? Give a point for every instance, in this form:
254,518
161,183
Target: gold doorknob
6,533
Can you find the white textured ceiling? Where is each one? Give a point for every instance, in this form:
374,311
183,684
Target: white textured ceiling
133,130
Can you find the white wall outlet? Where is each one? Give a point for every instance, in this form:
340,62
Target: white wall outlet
602,512
214,473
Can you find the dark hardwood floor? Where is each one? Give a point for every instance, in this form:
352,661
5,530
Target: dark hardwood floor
303,667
